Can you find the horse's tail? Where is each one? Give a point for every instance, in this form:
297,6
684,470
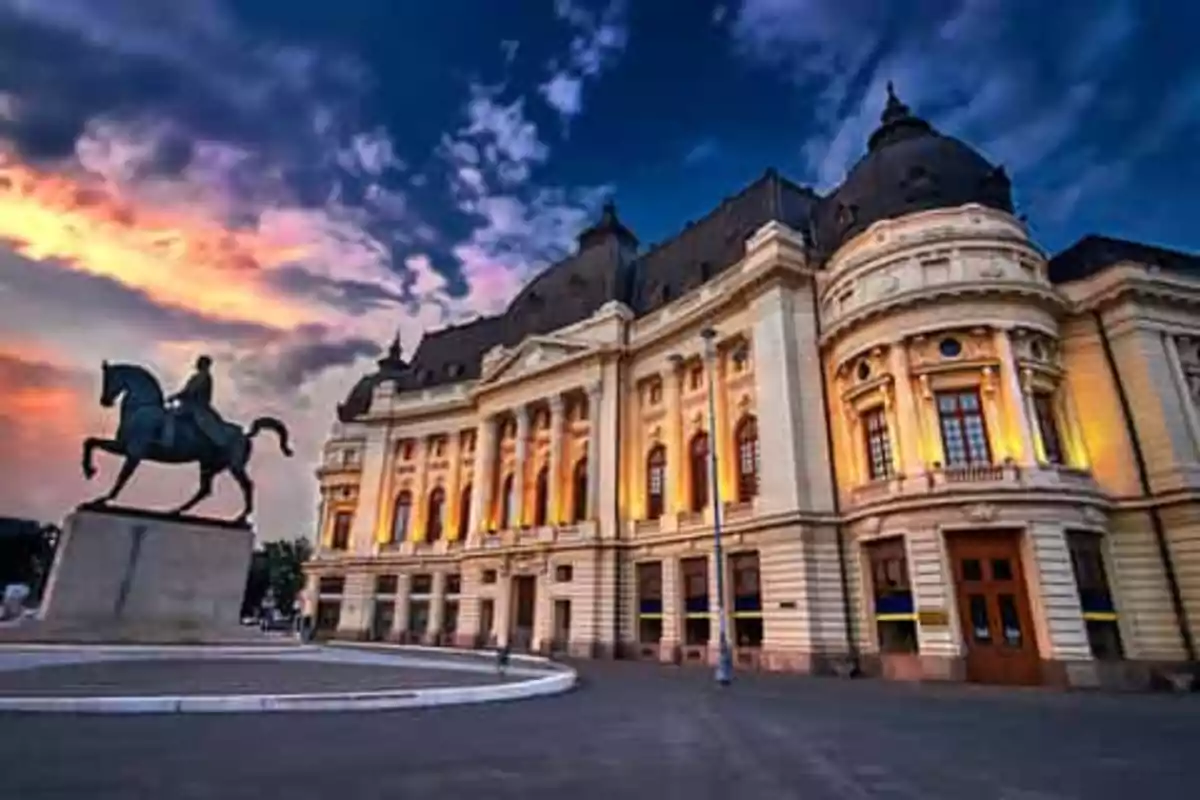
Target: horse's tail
275,426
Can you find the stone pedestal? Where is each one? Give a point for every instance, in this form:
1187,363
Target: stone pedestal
131,576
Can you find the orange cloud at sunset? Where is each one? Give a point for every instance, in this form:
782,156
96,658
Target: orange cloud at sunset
177,257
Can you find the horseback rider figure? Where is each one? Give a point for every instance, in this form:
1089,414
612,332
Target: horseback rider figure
194,402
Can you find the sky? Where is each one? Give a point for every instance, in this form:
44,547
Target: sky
287,184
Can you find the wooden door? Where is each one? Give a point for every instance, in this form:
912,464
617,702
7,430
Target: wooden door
524,589
993,608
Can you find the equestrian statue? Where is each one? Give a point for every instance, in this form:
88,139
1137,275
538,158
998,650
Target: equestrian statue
177,430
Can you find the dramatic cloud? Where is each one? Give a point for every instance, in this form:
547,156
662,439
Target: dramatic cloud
957,63
599,38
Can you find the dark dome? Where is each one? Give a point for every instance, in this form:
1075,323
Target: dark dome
908,167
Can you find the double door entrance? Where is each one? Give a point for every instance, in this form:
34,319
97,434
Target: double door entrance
993,607
524,597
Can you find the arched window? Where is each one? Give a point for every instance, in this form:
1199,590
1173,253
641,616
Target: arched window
464,512
698,471
435,518
401,515
579,490
507,498
746,436
656,474
541,497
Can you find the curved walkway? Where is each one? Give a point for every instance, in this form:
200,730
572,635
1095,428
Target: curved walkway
638,731
132,679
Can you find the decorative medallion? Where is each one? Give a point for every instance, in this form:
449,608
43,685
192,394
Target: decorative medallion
981,512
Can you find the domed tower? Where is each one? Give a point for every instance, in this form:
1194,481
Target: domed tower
947,405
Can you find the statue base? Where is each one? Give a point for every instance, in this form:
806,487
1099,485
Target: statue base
131,576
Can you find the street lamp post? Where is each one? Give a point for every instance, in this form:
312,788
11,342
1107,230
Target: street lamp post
724,672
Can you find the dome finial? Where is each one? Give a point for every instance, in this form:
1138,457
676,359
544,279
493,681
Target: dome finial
394,358
895,108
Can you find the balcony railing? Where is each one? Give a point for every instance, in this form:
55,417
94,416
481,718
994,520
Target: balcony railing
967,477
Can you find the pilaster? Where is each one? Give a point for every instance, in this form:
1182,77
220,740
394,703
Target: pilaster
593,455
777,393
520,468
555,489
673,494
484,477
908,426
1017,407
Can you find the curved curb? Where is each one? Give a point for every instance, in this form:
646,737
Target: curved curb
329,701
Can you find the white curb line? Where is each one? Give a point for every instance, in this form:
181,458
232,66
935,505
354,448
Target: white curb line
331,701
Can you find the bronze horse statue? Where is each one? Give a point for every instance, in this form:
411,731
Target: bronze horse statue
143,416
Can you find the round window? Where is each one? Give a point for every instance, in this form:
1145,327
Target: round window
864,370
950,348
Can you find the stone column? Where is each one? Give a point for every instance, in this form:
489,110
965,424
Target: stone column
1035,425
908,431
323,526
520,468
675,456
1018,412
672,608
484,475
543,611
436,600
400,621
554,489
451,511
417,517
593,456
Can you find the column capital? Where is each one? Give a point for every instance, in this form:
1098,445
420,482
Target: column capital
595,389
556,404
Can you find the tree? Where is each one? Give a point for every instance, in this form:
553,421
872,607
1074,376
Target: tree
276,567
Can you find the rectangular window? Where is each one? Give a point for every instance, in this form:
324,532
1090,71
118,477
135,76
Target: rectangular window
488,576
695,599
453,584
879,446
1095,597
895,615
747,600
418,617
421,584
341,530
563,573
331,584
1047,422
964,431
386,584
650,602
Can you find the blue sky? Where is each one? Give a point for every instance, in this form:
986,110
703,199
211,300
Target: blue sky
287,183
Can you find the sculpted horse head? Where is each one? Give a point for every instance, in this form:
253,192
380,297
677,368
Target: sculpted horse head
140,386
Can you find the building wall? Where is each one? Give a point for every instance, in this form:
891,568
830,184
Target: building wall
945,300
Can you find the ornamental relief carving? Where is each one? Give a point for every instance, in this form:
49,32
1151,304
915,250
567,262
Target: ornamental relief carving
951,346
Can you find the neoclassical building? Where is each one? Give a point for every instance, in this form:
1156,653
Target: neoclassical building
940,452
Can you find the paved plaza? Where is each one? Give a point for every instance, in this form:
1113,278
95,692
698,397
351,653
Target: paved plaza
633,731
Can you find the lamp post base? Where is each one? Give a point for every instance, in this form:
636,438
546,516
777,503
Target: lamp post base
724,673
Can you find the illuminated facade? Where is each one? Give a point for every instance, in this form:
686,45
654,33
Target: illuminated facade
940,453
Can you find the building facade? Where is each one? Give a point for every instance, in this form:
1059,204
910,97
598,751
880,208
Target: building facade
940,452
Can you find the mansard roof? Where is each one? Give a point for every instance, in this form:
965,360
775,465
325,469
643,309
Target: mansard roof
1094,253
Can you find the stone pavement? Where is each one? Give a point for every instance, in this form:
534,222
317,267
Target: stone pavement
241,676
635,731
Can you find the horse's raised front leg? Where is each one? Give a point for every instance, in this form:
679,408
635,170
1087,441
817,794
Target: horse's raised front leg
90,445
207,473
127,469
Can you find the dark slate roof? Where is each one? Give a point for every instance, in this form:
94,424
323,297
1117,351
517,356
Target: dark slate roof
706,248
606,267
908,167
1093,254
